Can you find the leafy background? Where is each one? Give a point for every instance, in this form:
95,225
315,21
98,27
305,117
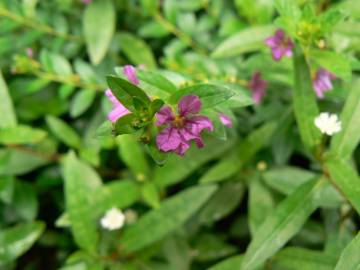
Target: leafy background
271,193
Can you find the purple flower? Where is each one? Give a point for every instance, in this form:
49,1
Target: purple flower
182,128
130,73
322,82
280,45
226,120
258,87
119,110
86,1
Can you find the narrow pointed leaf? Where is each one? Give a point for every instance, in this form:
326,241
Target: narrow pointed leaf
349,258
346,179
287,219
344,143
172,213
304,102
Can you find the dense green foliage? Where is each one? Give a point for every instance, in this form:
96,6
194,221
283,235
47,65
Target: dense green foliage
271,192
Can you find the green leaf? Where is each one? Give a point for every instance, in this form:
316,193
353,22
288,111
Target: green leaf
349,258
222,170
81,183
125,91
261,204
287,179
155,84
21,135
151,194
304,102
290,15
63,131
346,179
222,203
99,26
104,130
172,213
303,259
333,62
211,247
137,50
247,40
17,161
7,112
119,193
17,240
25,201
287,219
7,184
124,125
344,143
231,263
81,102
149,6
177,168
155,106
210,95
133,156
244,151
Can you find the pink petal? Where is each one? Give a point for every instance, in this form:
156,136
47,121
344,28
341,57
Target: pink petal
183,147
111,97
130,73
280,34
271,41
226,120
198,123
258,95
164,116
169,139
119,110
277,53
189,104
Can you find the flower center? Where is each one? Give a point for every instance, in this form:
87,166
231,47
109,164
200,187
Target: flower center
178,121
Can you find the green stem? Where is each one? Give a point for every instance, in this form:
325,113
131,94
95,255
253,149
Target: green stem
178,33
74,80
37,25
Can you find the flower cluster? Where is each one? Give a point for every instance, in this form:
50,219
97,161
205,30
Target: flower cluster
113,219
281,45
177,130
328,124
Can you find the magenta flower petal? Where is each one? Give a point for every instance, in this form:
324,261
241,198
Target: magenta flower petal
130,73
164,116
119,110
226,120
189,104
111,97
169,139
280,45
322,82
198,123
182,148
258,87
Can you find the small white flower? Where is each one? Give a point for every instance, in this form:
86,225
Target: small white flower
113,219
328,123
